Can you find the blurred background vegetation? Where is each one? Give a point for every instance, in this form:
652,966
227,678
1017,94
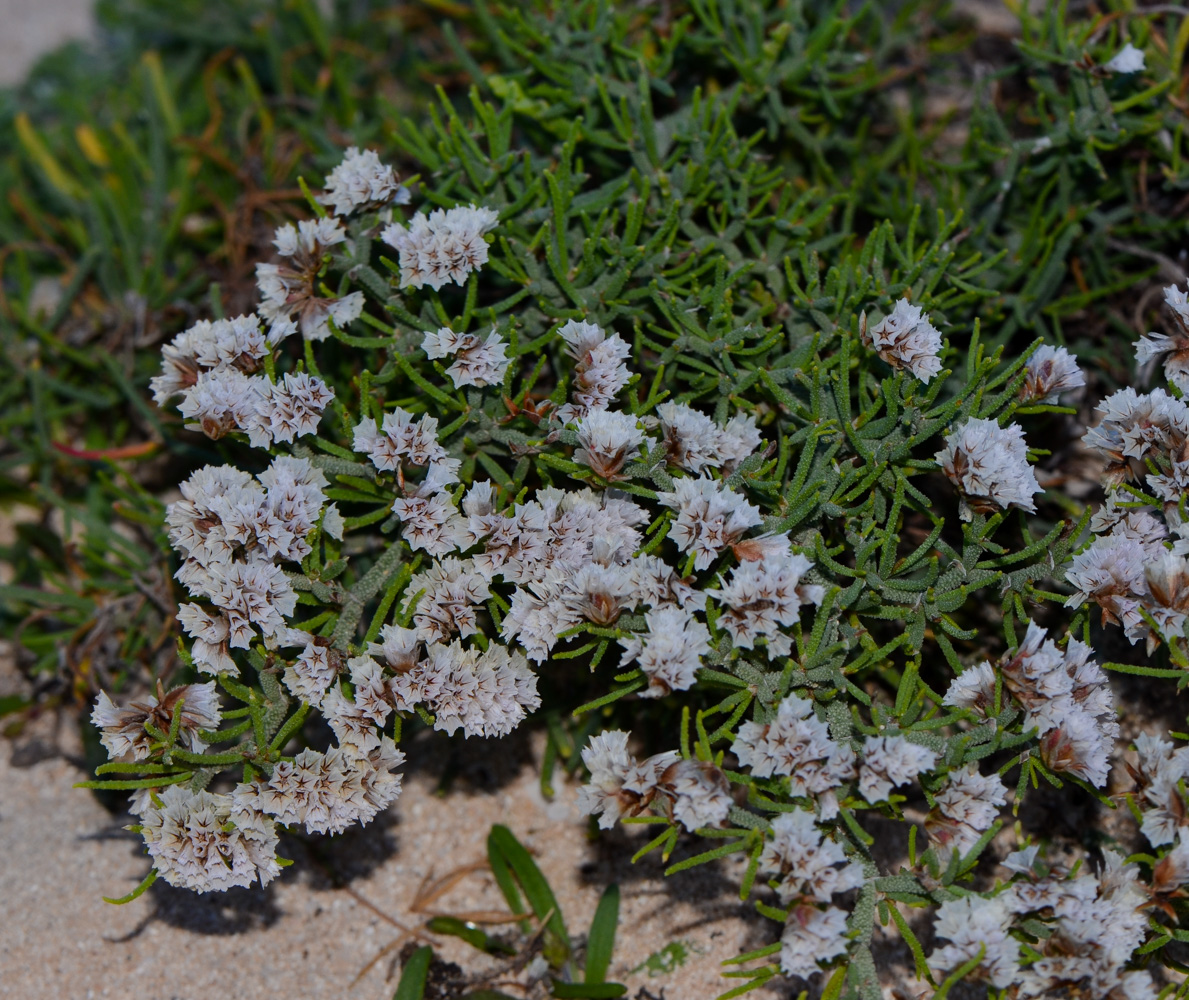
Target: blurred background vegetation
143,175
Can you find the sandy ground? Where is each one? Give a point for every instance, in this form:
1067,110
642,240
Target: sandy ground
314,930
32,27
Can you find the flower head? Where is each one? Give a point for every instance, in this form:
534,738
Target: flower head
1128,59
989,465
201,841
809,866
442,247
361,181
606,440
812,935
670,652
1050,372
326,792
905,339
890,761
123,730
599,370
478,362
710,516
290,289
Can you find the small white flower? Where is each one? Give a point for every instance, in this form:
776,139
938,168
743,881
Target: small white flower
812,935
972,924
1050,372
400,438
906,339
1128,59
293,406
429,521
695,442
453,591
619,785
1075,744
313,671
974,688
484,693
355,720
1023,860
200,841
670,652
237,344
1136,427
764,595
810,867
989,465
362,181
599,372
710,517
700,794
1111,574
891,761
255,593
123,729
443,247
966,808
224,399
332,522
479,362
327,792
606,440
798,744
210,634
310,238
291,288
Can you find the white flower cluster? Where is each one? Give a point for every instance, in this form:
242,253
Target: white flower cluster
965,809
607,439
599,370
398,438
1158,776
442,247
233,532
1135,568
326,792
230,529
765,593
797,744
810,868
694,792
485,693
695,443
122,730
989,466
710,516
889,762
571,556
1093,926
1171,349
203,841
214,367
1049,372
477,362
362,182
905,339
290,289
1065,694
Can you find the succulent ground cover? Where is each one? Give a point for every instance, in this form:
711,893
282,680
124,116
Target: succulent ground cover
681,377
